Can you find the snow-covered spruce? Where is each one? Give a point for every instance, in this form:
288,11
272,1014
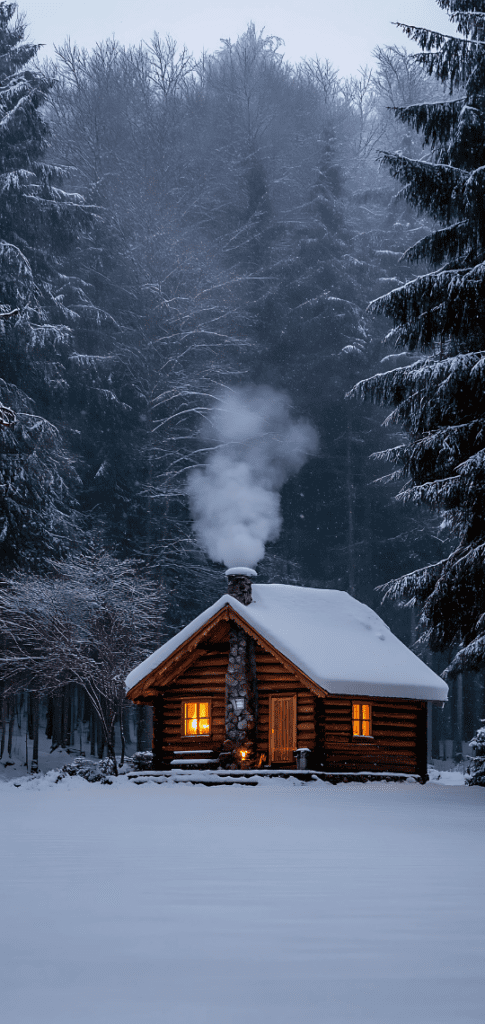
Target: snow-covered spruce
42,300
476,771
439,400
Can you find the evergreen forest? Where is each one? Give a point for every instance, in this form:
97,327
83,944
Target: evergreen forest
174,227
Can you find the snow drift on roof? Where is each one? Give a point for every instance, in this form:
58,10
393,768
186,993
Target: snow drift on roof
338,642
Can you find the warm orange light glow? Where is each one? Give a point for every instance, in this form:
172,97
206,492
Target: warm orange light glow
356,719
244,754
197,718
361,720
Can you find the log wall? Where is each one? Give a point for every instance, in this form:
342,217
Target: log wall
275,680
324,724
398,731
205,679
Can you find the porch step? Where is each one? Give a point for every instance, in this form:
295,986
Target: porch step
190,753
194,759
189,762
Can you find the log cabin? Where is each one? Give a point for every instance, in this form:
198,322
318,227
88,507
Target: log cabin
272,674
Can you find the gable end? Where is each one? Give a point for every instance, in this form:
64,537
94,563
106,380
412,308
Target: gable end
148,689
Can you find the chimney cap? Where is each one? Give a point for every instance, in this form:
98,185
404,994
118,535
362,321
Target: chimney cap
240,570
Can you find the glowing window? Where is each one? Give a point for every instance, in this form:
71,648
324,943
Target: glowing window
361,720
197,718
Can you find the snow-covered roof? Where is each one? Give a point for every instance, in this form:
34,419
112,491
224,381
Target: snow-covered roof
341,644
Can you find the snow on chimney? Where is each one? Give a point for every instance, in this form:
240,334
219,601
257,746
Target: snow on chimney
239,583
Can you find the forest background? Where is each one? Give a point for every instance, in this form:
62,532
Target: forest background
174,225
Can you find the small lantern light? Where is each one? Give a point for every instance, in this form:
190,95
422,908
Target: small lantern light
243,754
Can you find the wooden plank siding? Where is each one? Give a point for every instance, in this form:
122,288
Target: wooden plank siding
396,743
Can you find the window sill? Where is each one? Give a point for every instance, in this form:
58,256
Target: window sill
362,738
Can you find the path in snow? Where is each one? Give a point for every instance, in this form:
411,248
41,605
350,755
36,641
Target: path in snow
282,903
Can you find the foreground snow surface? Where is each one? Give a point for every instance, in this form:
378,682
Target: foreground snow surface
145,904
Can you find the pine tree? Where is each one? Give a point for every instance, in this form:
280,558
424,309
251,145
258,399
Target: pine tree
314,336
440,318
476,771
153,263
37,221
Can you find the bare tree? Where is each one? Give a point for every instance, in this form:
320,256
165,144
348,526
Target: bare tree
7,416
128,119
399,81
88,622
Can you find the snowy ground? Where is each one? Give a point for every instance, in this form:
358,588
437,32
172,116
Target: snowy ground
14,765
281,903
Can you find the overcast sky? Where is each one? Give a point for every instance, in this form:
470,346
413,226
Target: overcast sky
344,31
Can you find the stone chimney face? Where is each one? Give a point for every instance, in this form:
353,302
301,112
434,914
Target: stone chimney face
241,685
239,583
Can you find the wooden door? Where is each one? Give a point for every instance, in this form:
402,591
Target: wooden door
282,729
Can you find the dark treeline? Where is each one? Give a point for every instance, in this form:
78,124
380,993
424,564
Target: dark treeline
172,225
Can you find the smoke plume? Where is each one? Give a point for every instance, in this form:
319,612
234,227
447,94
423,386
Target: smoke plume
235,498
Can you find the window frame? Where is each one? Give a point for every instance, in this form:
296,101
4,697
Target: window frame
361,704
198,735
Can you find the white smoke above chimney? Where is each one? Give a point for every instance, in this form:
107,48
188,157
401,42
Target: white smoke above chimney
256,446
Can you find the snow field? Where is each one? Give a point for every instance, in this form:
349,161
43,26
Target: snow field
279,903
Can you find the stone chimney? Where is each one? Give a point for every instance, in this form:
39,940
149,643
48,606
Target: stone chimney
241,686
239,583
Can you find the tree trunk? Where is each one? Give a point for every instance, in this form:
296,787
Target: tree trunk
4,725
111,751
435,732
11,724
112,757
30,712
57,701
100,739
122,736
458,718
49,721
34,697
92,731
74,716
350,509
142,742
127,712
19,707
66,708
157,736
